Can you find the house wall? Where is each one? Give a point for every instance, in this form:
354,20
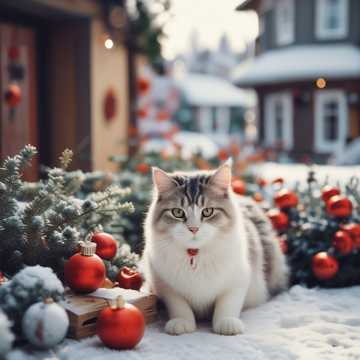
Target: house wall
305,19
108,71
303,110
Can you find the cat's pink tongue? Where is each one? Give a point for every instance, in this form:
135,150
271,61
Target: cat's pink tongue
192,252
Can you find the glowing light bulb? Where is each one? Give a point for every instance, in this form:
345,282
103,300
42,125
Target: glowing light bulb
109,44
321,83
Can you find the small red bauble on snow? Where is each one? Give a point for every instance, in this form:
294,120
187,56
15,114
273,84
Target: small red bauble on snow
261,182
84,272
279,219
121,326
106,245
238,186
339,206
143,85
285,199
129,279
342,242
324,266
328,191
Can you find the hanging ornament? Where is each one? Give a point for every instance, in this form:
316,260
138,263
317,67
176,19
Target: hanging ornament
129,279
45,324
279,219
143,85
342,242
238,186
85,272
328,191
324,266
142,168
120,326
285,199
106,245
354,231
339,206
13,95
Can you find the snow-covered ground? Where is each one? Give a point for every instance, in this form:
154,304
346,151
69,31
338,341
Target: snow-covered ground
309,324
299,172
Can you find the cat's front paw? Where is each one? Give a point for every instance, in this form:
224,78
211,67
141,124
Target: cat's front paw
228,326
180,326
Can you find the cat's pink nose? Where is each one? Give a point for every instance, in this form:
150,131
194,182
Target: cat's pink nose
193,229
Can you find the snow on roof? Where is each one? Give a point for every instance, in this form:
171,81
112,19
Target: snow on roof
208,90
298,63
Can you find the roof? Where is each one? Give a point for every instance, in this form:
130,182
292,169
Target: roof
299,63
247,5
209,90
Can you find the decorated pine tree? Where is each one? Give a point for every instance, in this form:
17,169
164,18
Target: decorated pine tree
42,223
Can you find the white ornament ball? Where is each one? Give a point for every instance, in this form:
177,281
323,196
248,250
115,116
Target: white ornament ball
45,324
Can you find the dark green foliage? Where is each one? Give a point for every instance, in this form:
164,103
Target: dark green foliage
42,223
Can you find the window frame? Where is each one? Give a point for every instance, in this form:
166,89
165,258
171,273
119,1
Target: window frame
286,99
323,33
286,37
323,145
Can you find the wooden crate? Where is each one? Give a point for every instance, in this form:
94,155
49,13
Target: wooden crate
83,310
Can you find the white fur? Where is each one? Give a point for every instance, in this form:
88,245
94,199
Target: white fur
223,282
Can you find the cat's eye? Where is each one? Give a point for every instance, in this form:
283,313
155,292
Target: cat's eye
178,213
207,212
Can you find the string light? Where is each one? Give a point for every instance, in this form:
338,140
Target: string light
109,44
321,83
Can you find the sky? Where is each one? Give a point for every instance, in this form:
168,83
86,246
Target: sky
209,19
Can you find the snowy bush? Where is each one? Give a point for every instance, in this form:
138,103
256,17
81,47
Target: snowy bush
6,336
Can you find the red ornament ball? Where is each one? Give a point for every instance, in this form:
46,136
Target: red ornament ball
223,155
285,199
13,95
129,279
328,191
324,266
354,231
106,245
85,272
238,186
142,168
261,182
342,242
279,219
143,85
120,327
339,206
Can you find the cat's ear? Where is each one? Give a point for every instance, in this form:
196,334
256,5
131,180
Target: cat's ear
222,176
162,181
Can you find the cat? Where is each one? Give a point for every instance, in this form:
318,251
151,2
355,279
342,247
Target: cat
208,251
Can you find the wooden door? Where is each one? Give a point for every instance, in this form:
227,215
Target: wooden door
18,86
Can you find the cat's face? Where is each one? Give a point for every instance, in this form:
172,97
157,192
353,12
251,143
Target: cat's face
192,210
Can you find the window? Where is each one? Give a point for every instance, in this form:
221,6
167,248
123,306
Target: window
330,121
279,120
332,19
284,22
